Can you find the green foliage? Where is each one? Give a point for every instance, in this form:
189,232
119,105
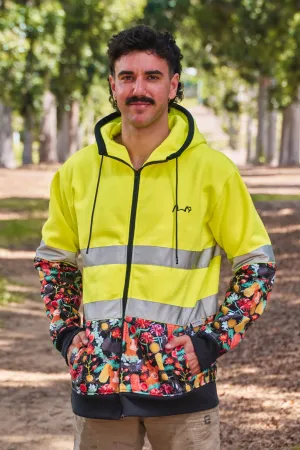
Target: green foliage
56,45
6,295
255,37
88,25
165,14
61,45
231,103
31,35
285,91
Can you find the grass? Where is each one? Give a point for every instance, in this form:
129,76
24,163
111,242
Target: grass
22,234
273,197
27,205
6,296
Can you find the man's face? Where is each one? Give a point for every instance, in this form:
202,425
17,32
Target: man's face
142,85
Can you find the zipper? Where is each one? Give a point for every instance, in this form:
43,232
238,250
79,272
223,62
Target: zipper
137,175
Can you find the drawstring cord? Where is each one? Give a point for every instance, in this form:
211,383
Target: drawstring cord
176,218
94,205
176,211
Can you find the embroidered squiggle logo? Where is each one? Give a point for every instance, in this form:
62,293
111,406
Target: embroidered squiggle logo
187,209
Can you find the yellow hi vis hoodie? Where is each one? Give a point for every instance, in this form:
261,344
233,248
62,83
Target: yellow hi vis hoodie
150,243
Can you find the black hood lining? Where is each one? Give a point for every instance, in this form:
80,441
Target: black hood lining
191,130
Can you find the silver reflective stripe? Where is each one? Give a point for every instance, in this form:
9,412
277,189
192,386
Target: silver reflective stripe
114,254
55,254
262,254
106,309
150,255
162,256
177,315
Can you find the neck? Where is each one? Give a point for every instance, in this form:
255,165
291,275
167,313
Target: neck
141,142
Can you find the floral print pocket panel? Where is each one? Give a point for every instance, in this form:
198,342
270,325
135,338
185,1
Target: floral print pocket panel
158,371
95,368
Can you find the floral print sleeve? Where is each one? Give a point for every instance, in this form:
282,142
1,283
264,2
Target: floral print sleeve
61,287
245,301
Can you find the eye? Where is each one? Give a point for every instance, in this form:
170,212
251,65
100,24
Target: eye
127,78
153,77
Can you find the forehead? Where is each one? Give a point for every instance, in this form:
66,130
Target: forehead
141,62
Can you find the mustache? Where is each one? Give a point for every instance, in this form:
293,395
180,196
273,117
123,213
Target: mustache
143,99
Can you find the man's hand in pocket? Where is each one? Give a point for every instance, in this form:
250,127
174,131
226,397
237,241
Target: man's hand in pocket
78,341
189,351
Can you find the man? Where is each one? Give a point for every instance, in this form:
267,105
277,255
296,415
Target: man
148,208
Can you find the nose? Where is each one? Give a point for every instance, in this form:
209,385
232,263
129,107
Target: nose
139,87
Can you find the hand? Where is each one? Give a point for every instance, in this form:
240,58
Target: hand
189,351
78,341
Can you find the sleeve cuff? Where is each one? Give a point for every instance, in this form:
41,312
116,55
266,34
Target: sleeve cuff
206,349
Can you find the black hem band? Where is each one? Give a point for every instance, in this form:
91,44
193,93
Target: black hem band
115,406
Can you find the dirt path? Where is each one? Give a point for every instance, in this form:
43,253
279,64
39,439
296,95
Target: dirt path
258,383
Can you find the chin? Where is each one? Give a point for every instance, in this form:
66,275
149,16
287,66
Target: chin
142,124
142,121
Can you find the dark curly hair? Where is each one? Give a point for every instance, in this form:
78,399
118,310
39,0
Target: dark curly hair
144,38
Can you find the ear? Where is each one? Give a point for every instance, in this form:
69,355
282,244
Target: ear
173,86
112,83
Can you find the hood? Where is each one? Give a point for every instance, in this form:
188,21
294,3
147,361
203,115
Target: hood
183,134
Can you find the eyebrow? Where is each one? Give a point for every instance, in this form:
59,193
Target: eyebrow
148,72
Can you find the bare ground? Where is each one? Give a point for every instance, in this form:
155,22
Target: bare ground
258,383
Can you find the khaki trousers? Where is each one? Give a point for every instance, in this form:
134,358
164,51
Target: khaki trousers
195,431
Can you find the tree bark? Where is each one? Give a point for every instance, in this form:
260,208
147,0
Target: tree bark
290,134
233,131
295,136
7,157
63,140
48,135
262,132
271,146
74,127
249,139
90,138
28,138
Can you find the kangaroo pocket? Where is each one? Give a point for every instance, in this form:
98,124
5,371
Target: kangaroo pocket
169,370
95,368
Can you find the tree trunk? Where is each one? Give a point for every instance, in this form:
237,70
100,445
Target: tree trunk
28,138
90,138
63,140
48,135
7,157
74,127
295,136
290,135
262,132
233,131
249,139
271,147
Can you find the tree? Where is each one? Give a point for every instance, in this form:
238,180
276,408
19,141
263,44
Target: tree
288,95
7,158
31,34
88,25
165,14
250,35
